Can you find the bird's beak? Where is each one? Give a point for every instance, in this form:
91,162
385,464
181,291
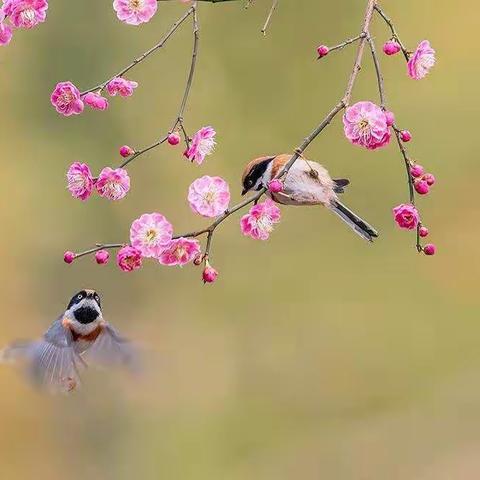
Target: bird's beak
244,191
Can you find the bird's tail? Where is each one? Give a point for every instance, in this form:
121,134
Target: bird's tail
359,226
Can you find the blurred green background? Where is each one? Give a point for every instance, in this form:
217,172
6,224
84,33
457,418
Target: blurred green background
315,355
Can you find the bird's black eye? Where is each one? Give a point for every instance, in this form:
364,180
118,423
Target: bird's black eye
79,296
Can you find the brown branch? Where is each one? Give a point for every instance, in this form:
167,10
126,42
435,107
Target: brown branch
270,15
342,104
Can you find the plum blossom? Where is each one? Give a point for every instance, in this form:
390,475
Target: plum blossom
151,234
203,144
422,60
121,86
6,32
66,99
80,180
180,252
129,258
365,124
209,196
406,216
135,12
258,223
113,184
25,13
95,101
209,274
102,257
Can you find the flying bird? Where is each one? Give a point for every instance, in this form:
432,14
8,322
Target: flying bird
307,183
78,338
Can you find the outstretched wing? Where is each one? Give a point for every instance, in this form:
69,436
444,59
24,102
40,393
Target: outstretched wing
51,363
112,350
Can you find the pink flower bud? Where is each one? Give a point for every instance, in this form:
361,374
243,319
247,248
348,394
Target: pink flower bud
275,186
391,47
416,171
322,51
95,101
390,117
421,187
173,138
209,274
429,249
68,257
405,136
102,257
429,178
126,151
423,232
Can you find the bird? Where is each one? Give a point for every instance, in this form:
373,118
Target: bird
306,183
77,338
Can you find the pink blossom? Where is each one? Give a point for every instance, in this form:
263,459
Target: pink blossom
113,184
422,60
6,32
203,144
95,101
135,12
416,170
180,251
151,234
423,232
25,13
406,216
429,178
209,196
390,116
66,99
102,257
365,124
121,86
275,185
421,187
258,223
129,258
79,180
405,136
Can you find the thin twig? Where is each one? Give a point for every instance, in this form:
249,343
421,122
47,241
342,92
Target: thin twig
395,36
378,72
144,55
346,42
269,18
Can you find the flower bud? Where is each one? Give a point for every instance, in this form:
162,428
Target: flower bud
173,138
421,187
126,151
275,186
423,232
209,274
405,136
416,171
391,47
429,249
429,178
102,257
68,257
390,118
322,51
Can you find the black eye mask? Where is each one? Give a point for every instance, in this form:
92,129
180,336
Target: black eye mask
256,173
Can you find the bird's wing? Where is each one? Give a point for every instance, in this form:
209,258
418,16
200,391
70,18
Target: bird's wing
50,362
112,350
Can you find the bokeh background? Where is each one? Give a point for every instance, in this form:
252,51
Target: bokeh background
315,355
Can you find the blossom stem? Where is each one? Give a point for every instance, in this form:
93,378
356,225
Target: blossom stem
378,72
269,17
146,54
391,25
144,150
346,42
98,247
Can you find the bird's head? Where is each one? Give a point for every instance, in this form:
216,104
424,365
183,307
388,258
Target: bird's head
85,307
255,173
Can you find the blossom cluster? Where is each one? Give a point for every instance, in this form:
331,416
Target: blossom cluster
67,99
20,14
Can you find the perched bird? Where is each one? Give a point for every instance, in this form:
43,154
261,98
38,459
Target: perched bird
79,337
307,183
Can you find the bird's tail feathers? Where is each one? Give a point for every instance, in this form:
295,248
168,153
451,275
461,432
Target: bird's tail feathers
358,225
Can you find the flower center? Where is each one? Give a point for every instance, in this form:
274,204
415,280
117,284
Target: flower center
206,145
65,99
210,196
28,16
264,223
408,217
180,252
150,236
136,5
